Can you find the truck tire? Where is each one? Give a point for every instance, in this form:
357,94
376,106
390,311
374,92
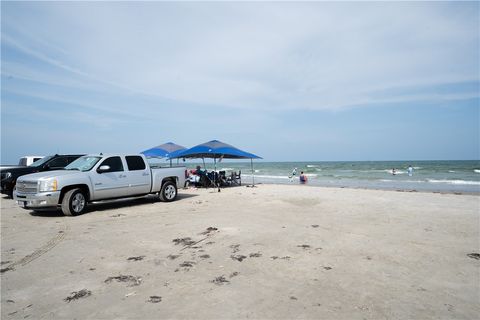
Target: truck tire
10,192
168,192
74,202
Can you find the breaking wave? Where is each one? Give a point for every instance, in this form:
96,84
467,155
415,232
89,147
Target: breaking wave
455,182
266,176
463,182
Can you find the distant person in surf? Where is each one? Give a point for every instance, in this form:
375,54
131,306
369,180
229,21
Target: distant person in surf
294,173
410,171
303,178
393,171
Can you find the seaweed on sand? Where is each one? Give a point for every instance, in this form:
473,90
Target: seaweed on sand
136,258
235,248
155,299
209,230
238,257
220,280
184,241
474,255
304,246
78,294
134,281
187,264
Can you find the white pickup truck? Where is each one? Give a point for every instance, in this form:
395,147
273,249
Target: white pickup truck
97,177
23,162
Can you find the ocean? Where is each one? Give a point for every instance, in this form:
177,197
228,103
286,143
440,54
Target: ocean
436,176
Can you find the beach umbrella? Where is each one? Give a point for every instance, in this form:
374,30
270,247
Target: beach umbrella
217,150
166,150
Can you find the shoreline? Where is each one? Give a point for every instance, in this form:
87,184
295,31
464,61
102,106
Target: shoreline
369,188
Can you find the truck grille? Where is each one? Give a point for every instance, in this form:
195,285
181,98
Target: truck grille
27,186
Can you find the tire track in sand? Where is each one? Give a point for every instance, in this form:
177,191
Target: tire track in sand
52,243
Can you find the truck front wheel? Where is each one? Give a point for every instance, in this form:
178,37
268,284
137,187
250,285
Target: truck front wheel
10,192
168,192
74,202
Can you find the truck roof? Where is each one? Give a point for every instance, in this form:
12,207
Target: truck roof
113,154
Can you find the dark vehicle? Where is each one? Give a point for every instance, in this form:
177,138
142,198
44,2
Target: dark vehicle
55,162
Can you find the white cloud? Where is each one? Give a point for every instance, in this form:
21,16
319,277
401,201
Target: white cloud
254,55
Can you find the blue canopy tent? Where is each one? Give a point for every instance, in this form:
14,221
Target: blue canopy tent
166,150
217,150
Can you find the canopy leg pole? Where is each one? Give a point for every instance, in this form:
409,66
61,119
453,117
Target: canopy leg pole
205,168
253,173
215,173
170,162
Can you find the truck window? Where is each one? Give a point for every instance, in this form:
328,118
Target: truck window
22,162
60,162
70,159
41,162
115,164
85,163
135,163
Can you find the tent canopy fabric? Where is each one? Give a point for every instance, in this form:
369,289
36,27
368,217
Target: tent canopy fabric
166,150
215,149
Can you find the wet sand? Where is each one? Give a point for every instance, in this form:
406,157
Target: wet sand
275,251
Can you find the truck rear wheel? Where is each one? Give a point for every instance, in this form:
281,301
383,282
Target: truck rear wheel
74,202
168,192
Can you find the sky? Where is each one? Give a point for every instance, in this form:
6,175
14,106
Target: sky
312,81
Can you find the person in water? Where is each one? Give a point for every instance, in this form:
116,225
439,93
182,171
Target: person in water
303,178
294,173
410,171
393,171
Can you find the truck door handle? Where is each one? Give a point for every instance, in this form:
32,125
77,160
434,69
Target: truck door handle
122,176
146,174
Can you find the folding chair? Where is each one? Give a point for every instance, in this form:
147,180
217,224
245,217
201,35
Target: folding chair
235,179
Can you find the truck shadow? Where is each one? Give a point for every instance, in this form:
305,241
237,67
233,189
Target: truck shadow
132,202
112,204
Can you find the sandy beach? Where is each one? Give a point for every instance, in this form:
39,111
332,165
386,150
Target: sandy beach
270,252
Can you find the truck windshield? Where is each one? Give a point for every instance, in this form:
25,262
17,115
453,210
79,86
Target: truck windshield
40,162
85,163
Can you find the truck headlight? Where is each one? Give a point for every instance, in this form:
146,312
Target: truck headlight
49,185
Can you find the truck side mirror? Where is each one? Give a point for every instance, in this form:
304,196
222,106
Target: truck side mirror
103,168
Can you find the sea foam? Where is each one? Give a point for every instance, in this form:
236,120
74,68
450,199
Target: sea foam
266,176
464,182
396,171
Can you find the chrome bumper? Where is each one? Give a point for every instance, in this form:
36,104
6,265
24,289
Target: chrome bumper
37,200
